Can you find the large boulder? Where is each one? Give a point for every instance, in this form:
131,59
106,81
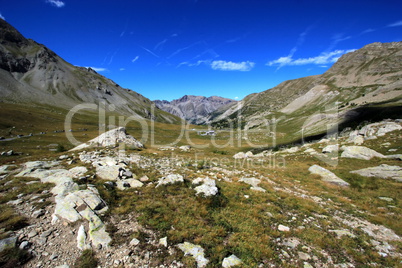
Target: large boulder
382,171
359,152
327,175
112,138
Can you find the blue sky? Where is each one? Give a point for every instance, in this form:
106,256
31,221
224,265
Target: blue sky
165,49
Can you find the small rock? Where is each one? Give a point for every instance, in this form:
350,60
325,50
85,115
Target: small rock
46,233
196,251
307,265
144,178
62,157
53,256
134,242
32,233
170,179
38,213
24,245
388,199
230,261
303,256
163,241
283,228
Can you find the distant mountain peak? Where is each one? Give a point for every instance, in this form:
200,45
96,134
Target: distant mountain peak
194,109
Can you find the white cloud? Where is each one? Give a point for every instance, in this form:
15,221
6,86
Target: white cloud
56,3
122,69
135,59
232,66
395,24
2,17
236,98
322,59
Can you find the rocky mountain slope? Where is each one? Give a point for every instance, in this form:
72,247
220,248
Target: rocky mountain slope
194,109
359,81
32,74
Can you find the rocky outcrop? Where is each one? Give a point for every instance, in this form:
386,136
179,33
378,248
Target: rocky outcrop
112,138
327,175
72,204
383,171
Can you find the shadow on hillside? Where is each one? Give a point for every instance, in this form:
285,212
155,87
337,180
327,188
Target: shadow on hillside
354,119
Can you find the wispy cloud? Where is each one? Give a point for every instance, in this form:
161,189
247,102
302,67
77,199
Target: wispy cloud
198,63
370,30
322,59
184,48
395,24
160,45
2,17
122,69
56,3
300,40
149,51
221,65
135,59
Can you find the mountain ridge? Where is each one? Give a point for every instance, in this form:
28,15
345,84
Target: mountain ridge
34,74
360,79
194,109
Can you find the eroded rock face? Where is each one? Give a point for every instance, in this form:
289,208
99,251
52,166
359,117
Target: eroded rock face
327,175
112,138
382,171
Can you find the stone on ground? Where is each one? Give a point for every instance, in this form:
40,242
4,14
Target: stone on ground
359,152
231,261
383,171
327,175
196,252
170,179
207,188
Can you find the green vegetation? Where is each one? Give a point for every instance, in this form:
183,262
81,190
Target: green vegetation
86,260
